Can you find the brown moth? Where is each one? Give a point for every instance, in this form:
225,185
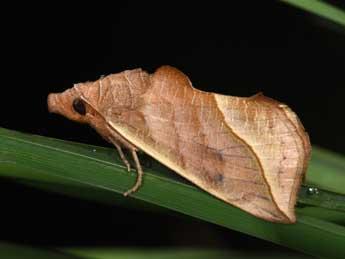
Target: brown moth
251,152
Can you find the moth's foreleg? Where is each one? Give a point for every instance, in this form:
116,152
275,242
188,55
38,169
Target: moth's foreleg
140,174
116,139
122,155
115,142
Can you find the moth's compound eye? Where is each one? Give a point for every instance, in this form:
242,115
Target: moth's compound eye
79,106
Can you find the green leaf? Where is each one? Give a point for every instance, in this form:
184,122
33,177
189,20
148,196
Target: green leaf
320,8
44,161
172,253
12,251
328,171
15,251
135,253
317,197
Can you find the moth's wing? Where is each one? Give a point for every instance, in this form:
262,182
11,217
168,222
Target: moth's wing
186,130
277,137
211,158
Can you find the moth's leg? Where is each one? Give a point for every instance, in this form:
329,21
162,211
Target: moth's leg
140,174
122,155
116,139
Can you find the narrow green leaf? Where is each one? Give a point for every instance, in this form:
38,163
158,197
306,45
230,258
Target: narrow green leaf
318,197
14,251
334,216
175,252
320,8
327,171
41,159
135,253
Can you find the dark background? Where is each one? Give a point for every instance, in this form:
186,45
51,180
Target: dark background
235,49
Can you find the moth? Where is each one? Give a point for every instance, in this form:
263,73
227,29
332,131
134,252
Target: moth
251,152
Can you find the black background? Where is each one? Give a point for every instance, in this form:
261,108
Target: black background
235,49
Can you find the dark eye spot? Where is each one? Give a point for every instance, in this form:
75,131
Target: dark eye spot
79,106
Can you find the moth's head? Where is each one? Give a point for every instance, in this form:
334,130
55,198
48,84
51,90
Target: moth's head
77,103
109,97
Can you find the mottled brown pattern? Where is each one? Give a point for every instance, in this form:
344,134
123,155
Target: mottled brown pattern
250,152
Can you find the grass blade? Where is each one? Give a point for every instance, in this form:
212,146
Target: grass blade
13,251
135,253
327,171
320,8
172,253
41,159
317,197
